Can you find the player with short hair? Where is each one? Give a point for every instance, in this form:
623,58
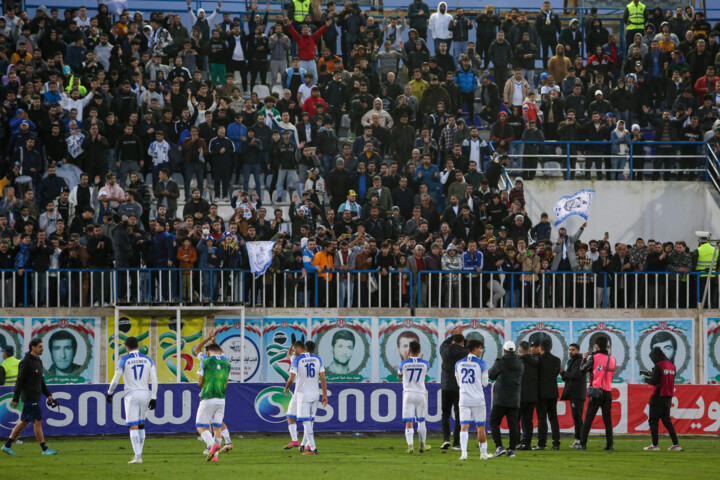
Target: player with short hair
138,370
472,376
291,415
412,370
222,433
307,368
213,379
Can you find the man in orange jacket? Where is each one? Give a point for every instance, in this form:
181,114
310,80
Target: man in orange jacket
324,261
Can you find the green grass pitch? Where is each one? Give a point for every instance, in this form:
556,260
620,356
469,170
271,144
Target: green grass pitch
349,457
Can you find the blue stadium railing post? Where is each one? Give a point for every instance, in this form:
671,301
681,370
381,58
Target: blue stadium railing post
512,290
605,286
315,293
631,164
412,297
567,160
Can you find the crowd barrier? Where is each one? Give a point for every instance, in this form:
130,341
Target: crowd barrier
357,288
351,407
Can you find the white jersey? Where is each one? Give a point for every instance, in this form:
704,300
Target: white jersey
138,370
413,372
307,369
472,375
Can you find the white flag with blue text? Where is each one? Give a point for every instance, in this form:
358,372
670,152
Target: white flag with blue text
575,204
116,7
260,255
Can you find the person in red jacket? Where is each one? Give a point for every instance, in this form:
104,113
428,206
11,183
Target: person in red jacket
663,378
706,83
306,45
310,105
502,133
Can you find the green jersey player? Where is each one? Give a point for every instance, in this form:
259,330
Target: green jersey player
213,380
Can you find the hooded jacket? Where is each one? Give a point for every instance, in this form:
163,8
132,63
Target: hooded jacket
559,64
530,377
439,24
663,378
575,380
30,384
507,372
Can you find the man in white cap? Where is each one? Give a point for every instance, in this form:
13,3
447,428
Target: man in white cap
507,373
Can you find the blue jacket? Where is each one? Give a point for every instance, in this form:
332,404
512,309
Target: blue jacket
307,260
162,249
204,260
235,132
428,176
289,75
22,259
472,263
466,80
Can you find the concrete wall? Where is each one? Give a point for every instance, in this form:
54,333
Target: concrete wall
664,211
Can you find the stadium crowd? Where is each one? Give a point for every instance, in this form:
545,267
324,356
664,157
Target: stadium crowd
136,103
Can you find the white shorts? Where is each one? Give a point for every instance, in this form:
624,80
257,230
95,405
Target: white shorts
210,413
470,415
292,411
414,407
136,407
306,407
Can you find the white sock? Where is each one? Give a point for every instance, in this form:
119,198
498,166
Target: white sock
217,440
422,431
464,441
409,433
226,436
293,431
207,436
308,434
141,441
483,447
135,441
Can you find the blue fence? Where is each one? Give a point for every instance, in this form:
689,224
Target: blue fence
665,158
357,288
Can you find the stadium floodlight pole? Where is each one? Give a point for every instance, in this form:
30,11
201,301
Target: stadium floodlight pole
178,347
242,345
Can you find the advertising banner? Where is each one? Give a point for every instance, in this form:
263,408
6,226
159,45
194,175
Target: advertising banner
491,331
712,345
534,330
191,333
344,344
228,333
695,409
12,332
619,335
138,327
260,407
278,335
675,338
70,349
395,335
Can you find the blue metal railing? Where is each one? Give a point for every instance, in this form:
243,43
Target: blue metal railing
570,156
356,288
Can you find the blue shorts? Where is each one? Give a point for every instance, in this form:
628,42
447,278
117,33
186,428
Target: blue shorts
31,411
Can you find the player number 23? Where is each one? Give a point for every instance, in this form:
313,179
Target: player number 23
468,375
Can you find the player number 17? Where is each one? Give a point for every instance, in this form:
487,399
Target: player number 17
138,371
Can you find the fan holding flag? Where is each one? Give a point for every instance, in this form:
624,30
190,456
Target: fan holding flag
564,259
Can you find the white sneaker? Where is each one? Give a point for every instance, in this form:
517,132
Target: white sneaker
652,448
676,448
490,304
206,451
486,456
463,456
136,460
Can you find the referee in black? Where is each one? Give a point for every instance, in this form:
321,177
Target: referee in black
452,350
30,387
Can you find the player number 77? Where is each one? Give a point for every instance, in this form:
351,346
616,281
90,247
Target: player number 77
412,372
